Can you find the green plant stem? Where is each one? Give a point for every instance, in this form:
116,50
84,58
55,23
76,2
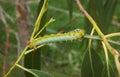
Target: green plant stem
107,59
112,50
50,21
98,38
117,62
38,21
89,48
90,40
17,61
112,35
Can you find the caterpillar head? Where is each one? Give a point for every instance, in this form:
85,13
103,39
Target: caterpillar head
80,32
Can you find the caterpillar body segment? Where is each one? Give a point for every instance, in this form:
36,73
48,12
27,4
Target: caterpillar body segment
72,35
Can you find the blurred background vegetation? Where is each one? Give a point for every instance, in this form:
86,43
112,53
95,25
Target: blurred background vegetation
17,18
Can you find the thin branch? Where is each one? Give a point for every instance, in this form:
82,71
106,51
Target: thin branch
112,35
18,60
25,49
89,48
98,38
112,50
117,62
107,59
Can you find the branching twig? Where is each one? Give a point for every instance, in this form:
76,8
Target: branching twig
33,34
111,49
114,52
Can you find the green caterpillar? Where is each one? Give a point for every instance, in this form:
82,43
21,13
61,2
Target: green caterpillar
72,35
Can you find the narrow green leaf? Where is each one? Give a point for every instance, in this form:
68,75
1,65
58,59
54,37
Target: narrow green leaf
32,61
43,19
38,73
92,65
105,74
109,8
41,14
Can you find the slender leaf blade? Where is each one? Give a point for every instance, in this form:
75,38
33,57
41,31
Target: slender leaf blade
105,74
38,73
92,65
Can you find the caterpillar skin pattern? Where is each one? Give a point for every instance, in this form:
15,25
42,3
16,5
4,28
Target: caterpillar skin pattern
72,35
